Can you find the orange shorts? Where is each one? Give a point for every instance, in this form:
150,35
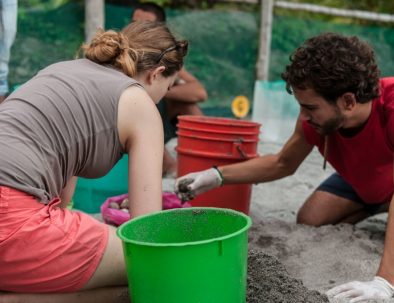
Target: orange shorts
44,248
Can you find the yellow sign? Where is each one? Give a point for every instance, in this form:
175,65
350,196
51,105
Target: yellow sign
240,106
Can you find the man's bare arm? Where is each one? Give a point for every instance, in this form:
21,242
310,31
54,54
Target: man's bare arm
188,89
270,167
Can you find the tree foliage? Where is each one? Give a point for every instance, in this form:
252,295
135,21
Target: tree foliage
224,40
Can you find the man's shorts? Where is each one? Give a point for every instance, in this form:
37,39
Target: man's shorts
44,248
336,185
169,126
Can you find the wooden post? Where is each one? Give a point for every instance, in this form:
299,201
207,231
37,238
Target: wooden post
94,17
262,65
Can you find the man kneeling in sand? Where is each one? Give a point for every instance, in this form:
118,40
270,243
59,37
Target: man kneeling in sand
348,113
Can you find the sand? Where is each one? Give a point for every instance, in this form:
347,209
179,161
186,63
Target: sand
301,258
268,281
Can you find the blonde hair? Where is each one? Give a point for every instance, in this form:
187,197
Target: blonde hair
140,46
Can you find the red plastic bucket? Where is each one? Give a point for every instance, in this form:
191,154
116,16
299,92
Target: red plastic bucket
215,124
207,141
220,133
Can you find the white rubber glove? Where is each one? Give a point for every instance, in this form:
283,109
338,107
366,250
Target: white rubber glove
189,186
378,288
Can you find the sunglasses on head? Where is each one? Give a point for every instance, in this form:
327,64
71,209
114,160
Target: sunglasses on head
179,46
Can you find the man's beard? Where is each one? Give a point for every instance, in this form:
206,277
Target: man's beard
332,125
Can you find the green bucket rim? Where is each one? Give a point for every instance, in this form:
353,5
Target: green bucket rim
227,210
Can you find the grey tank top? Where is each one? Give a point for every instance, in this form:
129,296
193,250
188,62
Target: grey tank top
61,123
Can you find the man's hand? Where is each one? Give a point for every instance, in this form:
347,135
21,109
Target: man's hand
378,288
193,184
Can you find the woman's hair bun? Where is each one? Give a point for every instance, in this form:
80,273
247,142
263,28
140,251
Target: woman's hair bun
105,46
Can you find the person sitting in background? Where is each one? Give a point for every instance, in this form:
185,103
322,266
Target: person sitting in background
181,99
8,18
347,112
77,118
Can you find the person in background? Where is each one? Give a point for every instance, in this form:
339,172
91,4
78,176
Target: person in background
77,118
8,18
181,99
347,112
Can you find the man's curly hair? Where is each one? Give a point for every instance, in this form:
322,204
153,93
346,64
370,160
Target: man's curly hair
332,64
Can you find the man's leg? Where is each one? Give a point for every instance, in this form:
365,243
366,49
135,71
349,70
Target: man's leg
335,202
173,110
169,164
323,208
177,108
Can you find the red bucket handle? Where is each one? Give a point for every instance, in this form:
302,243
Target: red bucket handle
237,149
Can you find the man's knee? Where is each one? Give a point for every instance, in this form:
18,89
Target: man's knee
306,218
312,213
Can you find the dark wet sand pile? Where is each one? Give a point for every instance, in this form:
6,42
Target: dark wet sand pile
268,281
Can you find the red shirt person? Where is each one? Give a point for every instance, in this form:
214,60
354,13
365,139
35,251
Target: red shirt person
347,112
368,170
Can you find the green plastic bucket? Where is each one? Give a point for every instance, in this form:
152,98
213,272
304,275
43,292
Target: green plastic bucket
193,255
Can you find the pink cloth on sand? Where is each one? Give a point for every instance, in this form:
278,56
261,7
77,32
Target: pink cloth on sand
117,217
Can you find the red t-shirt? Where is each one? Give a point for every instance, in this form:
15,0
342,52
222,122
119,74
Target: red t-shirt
365,160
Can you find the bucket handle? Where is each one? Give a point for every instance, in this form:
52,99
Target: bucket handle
238,148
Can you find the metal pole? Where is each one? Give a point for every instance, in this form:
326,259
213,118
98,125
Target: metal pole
262,65
94,17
